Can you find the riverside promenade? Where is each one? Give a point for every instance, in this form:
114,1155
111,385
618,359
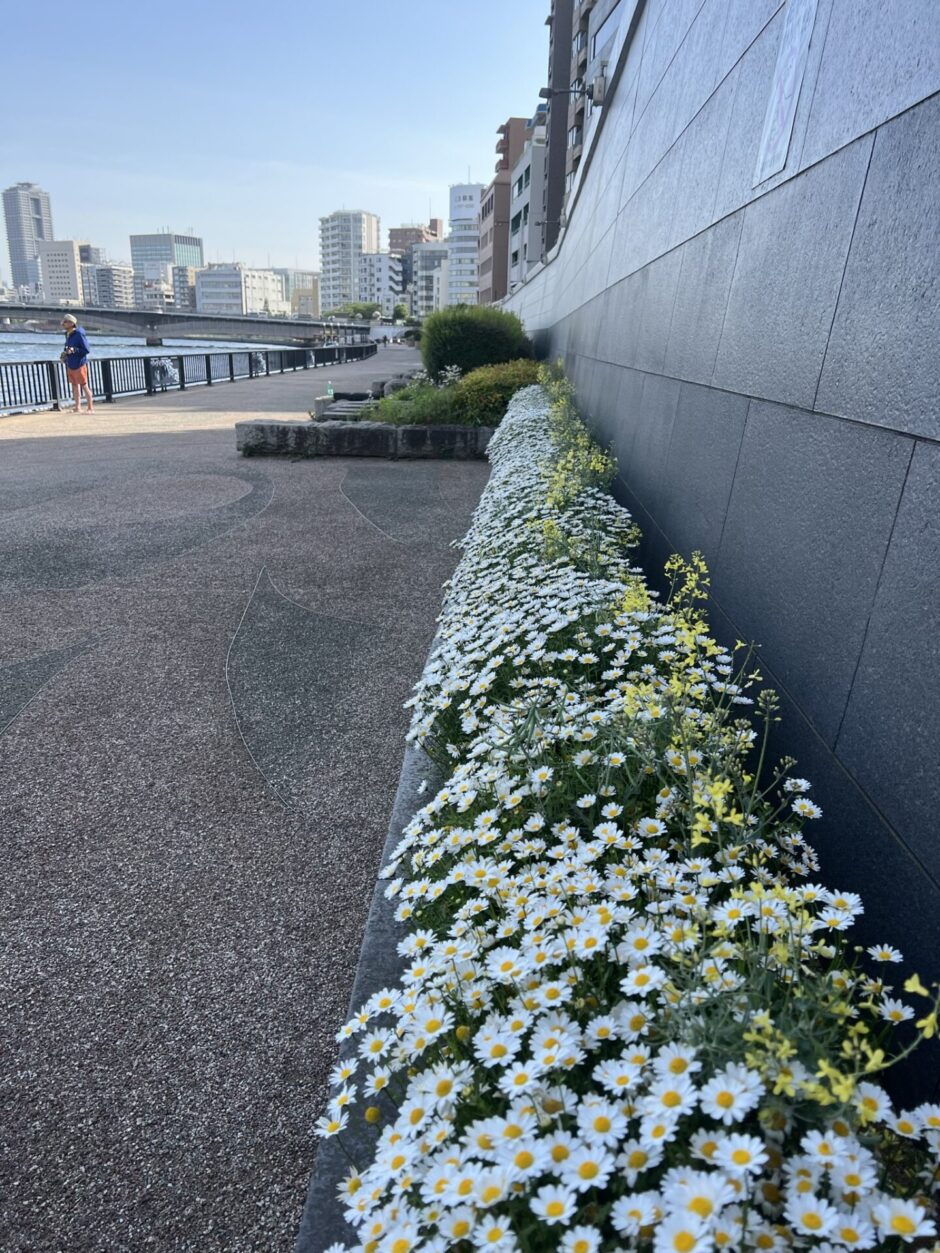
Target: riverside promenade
202,665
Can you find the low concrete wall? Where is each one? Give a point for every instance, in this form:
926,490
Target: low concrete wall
379,966
361,439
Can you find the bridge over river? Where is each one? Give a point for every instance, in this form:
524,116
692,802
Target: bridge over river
155,325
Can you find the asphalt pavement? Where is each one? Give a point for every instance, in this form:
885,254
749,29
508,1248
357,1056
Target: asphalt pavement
202,666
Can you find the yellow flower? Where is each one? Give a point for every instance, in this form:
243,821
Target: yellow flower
913,984
928,1025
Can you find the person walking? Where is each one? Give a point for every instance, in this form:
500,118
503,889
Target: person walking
75,357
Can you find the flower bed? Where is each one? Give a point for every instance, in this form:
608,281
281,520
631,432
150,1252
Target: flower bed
630,1018
475,399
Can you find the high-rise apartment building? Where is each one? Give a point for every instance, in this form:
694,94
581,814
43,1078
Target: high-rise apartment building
115,285
494,213
380,280
344,236
526,225
107,286
560,23
166,248
183,278
27,214
463,244
60,270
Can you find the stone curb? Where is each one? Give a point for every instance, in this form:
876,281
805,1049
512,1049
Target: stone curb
360,439
379,966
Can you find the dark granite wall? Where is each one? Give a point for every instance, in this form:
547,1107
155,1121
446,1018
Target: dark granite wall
764,360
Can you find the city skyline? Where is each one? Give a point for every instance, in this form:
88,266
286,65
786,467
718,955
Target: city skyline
397,112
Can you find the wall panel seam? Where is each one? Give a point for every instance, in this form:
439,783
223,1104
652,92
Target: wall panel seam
874,598
812,99
778,684
769,400
742,208
737,462
845,270
666,68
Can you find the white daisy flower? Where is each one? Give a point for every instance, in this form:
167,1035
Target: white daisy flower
811,1215
635,1211
554,1204
903,1220
741,1155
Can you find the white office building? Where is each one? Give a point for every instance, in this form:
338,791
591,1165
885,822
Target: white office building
60,270
380,280
463,244
234,289
344,236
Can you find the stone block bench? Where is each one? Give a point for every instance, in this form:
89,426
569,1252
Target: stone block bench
328,438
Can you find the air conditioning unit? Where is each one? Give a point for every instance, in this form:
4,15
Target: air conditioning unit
597,91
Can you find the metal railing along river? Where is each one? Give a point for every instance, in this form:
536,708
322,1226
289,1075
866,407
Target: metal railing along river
38,384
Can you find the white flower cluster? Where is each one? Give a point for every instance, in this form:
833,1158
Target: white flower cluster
627,1018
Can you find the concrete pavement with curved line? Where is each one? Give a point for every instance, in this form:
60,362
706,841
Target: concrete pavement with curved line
202,665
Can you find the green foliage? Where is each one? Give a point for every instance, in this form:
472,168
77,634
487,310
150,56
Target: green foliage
470,336
354,308
417,405
580,462
399,313
482,396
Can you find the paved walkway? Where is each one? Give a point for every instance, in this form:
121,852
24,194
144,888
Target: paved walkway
278,396
202,664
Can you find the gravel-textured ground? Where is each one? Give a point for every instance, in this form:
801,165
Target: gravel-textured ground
202,663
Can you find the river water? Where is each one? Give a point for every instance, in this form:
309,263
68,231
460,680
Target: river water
46,346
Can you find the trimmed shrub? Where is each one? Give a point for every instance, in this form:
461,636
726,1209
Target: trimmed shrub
469,336
482,397
417,404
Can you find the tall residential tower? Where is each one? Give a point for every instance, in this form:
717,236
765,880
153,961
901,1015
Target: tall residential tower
344,236
28,217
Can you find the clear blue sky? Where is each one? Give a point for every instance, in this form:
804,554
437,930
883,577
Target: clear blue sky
248,122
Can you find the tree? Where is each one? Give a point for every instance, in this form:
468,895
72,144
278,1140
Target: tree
352,308
399,313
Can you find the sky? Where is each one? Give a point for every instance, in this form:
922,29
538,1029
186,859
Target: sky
248,122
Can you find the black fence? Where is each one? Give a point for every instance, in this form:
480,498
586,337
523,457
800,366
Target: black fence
39,384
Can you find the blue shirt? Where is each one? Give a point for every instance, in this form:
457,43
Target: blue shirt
77,347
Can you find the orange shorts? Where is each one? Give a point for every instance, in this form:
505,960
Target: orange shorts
78,376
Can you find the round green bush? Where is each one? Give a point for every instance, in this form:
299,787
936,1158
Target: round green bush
470,336
482,396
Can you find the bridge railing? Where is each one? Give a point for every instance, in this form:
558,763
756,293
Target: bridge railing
44,384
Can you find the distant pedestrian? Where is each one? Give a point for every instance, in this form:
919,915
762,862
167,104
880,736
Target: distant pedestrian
75,357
